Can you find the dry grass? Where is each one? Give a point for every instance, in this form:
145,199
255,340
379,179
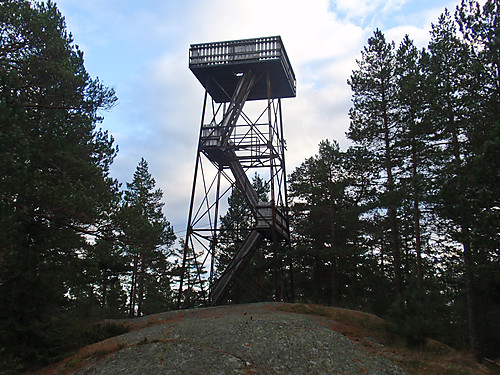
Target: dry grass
375,336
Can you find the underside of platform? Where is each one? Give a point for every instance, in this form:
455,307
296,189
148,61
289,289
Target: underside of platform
218,67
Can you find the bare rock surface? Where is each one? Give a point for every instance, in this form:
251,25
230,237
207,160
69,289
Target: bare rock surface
241,339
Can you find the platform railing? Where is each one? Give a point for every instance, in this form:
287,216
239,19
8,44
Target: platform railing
240,51
234,51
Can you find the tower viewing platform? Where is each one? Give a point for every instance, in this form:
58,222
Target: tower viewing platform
218,66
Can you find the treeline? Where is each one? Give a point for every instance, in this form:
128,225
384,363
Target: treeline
74,247
406,222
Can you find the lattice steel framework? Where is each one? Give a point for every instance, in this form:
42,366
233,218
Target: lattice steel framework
232,144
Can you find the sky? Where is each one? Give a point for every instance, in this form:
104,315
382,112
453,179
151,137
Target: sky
140,48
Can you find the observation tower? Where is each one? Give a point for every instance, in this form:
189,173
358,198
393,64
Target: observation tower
235,142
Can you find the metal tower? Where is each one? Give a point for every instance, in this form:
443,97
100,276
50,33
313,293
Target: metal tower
232,143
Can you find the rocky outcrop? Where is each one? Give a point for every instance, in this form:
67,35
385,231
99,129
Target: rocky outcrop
241,339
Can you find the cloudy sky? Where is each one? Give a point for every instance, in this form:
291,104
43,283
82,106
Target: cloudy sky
140,48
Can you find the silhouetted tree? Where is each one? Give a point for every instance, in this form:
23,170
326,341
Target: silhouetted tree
147,236
374,125
55,187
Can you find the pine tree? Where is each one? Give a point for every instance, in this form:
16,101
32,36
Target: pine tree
449,79
55,187
327,193
480,27
105,265
147,236
414,142
374,125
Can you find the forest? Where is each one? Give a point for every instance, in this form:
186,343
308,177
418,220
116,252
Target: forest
404,223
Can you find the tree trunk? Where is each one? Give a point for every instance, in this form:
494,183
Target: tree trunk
393,219
335,289
133,286
382,266
104,301
467,248
467,258
396,251
140,296
355,280
470,293
418,244
416,217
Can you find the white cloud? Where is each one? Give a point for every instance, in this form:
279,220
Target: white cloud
357,8
394,5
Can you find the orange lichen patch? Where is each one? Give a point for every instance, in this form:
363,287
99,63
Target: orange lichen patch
84,357
100,348
177,318
153,320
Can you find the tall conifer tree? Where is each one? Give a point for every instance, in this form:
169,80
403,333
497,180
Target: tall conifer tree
54,172
480,26
448,82
374,125
147,235
413,141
